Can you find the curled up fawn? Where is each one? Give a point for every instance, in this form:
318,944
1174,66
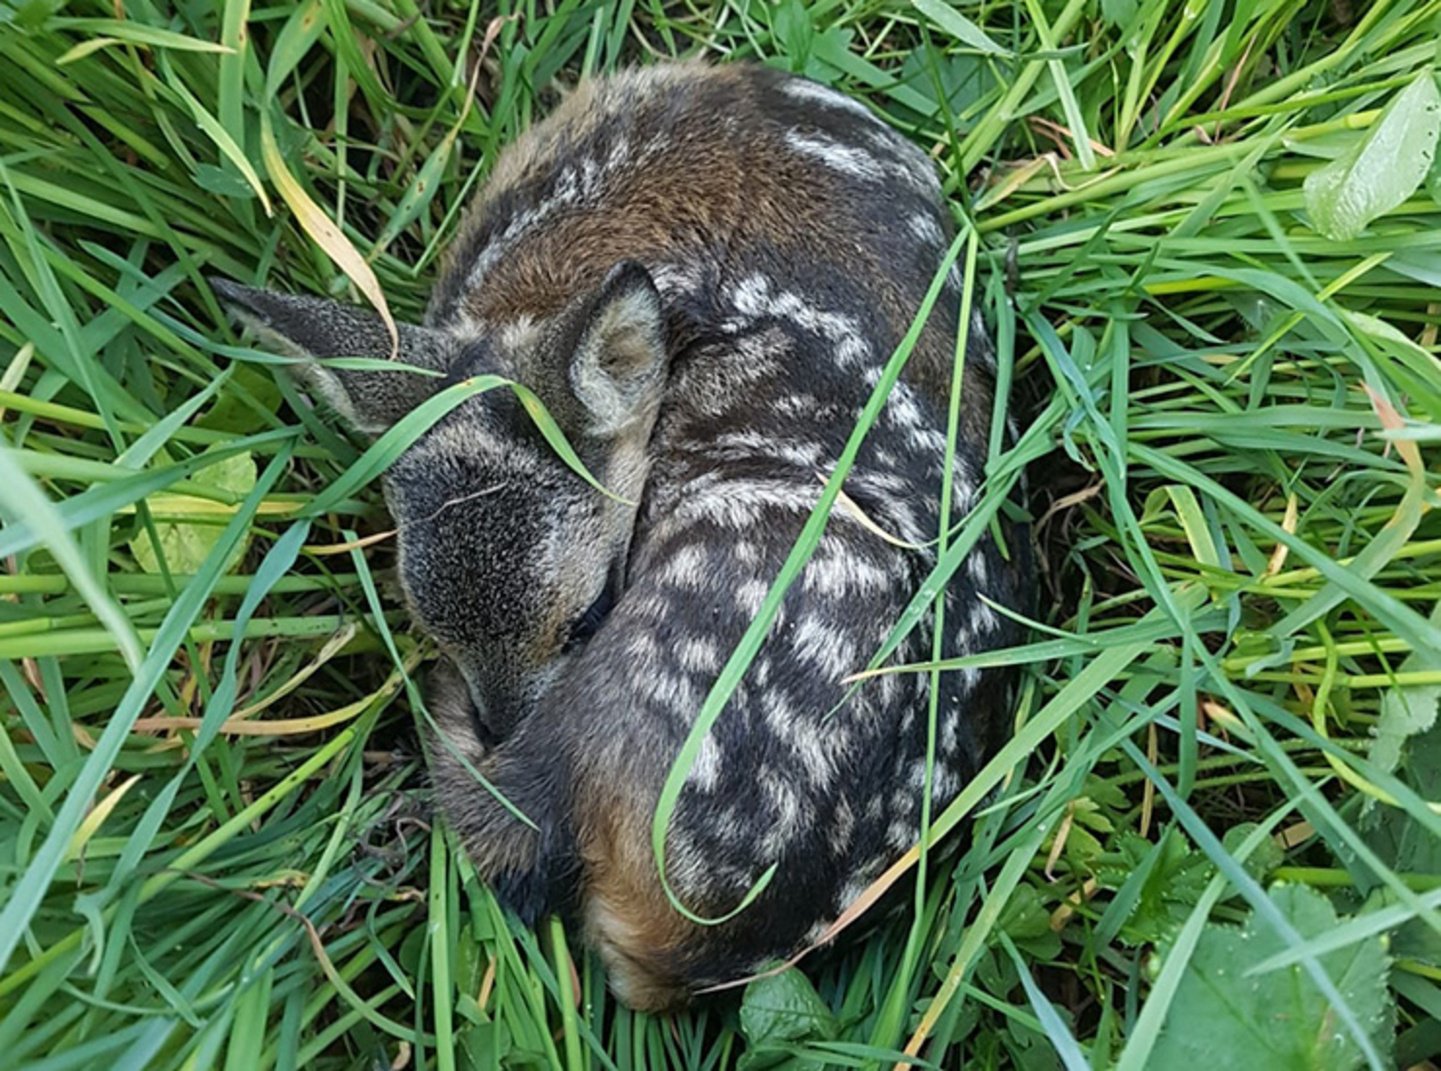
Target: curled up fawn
701,271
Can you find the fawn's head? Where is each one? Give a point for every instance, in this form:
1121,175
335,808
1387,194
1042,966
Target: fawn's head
507,556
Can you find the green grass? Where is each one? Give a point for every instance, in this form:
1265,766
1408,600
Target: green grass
214,844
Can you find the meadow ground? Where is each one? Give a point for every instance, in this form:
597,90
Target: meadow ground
1209,239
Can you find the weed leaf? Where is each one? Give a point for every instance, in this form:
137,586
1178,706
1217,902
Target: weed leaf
185,544
1383,169
784,1007
1230,1020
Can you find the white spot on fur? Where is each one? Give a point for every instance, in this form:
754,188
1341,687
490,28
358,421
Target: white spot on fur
640,644
847,159
944,785
698,654
791,813
519,335
673,280
818,744
924,226
749,596
671,691
760,673
898,159
920,167
902,834
753,298
843,826
850,893
944,782
796,406
889,686
747,444
741,504
686,567
949,732
706,771
826,97
817,931
843,575
902,408
980,621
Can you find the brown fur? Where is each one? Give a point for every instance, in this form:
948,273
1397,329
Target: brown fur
628,920
711,186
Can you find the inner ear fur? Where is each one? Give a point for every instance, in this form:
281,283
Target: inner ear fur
316,328
618,368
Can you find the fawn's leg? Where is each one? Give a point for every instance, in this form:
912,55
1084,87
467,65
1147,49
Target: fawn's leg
530,862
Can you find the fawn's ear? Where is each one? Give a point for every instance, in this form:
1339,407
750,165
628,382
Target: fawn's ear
618,368
312,327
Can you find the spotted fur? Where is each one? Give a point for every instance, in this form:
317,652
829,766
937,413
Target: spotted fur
702,272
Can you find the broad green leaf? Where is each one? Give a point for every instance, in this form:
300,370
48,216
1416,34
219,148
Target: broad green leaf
218,134
1225,1019
1399,840
186,545
784,1007
1029,1048
1413,939
957,82
1383,169
1167,891
1433,180
1406,710
793,32
1259,863
1119,13
1026,919
231,412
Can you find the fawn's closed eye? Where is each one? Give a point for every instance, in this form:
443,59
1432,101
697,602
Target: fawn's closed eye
586,625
